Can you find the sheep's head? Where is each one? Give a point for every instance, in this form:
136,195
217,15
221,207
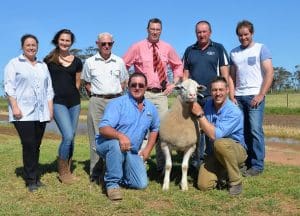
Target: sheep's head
189,90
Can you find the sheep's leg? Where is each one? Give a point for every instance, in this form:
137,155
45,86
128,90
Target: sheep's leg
185,166
168,166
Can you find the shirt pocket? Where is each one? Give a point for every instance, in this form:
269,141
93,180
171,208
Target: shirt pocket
251,60
116,73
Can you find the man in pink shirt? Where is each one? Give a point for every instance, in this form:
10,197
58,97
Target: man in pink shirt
140,55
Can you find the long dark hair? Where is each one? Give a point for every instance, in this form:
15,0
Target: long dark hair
54,54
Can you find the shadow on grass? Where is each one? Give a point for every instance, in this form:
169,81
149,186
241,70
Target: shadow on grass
176,172
43,169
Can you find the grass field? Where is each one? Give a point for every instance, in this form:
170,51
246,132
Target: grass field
275,192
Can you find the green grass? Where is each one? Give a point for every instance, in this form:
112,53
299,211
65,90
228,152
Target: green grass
284,103
275,192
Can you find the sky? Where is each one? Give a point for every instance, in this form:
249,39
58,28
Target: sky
276,24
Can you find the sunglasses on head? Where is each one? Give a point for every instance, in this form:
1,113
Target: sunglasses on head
107,43
137,85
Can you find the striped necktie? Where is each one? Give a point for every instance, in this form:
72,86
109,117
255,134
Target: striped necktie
158,67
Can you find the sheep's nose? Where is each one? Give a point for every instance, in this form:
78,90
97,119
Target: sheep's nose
192,95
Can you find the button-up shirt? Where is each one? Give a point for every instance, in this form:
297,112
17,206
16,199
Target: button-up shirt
140,55
105,76
124,115
228,121
31,86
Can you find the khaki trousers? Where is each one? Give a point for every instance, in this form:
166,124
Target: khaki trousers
95,113
224,163
161,102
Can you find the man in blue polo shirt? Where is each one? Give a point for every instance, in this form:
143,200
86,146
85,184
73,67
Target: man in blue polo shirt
203,62
124,125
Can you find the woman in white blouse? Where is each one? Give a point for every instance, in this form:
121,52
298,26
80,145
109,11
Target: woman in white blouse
28,87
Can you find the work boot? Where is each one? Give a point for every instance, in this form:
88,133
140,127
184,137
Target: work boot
252,172
235,189
74,177
64,172
114,194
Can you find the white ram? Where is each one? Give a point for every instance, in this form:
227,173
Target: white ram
179,130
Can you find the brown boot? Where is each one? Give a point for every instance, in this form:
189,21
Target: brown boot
74,177
64,172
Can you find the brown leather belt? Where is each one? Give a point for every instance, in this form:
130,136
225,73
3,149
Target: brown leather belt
155,90
108,96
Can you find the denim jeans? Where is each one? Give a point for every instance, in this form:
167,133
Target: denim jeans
122,168
66,120
253,131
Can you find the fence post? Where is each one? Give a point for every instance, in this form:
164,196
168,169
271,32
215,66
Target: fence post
287,100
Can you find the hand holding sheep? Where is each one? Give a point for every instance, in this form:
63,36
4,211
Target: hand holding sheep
196,109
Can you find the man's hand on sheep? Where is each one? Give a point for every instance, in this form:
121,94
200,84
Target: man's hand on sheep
124,141
169,89
196,109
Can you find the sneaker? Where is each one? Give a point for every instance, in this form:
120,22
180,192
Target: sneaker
235,189
114,194
252,172
32,187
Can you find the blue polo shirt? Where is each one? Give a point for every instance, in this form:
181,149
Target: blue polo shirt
203,65
228,121
123,115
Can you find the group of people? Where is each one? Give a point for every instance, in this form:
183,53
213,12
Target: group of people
119,121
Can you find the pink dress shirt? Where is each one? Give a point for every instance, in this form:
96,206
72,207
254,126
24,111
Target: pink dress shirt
140,55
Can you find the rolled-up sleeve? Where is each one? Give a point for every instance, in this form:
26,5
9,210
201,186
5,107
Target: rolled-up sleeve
50,91
175,63
9,80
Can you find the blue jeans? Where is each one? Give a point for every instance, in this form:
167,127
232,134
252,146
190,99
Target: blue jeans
122,168
253,131
66,120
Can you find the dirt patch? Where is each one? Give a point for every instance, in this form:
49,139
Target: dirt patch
283,153
283,120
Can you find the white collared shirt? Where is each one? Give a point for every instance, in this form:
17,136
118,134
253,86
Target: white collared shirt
105,76
31,86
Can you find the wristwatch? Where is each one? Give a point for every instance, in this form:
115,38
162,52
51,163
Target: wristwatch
200,115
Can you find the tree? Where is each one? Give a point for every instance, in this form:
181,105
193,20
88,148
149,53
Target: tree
83,55
282,78
297,76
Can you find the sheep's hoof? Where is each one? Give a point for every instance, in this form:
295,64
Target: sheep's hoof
184,187
165,187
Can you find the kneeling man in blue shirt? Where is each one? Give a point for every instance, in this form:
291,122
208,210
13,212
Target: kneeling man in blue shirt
223,123
122,129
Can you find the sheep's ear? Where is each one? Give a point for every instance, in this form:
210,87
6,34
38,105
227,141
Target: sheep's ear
178,86
201,88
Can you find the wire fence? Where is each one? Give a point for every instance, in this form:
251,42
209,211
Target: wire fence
289,100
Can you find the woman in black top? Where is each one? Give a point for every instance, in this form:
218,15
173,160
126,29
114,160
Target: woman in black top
65,70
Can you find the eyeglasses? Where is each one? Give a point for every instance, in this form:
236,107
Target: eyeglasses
137,85
107,43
